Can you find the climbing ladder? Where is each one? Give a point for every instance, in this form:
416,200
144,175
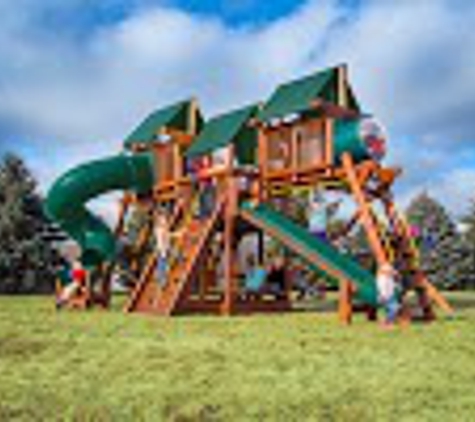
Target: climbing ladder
427,293
165,296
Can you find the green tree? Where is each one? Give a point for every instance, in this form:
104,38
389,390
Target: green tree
441,245
468,239
469,221
27,258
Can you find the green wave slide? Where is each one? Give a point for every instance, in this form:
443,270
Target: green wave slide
316,252
66,201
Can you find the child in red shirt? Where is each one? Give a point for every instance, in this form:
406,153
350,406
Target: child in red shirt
78,276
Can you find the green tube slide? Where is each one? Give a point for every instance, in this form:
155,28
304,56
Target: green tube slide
67,198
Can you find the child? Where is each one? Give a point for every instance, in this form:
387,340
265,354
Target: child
194,168
320,212
162,239
386,285
207,198
277,276
255,276
300,282
78,276
205,186
309,282
317,218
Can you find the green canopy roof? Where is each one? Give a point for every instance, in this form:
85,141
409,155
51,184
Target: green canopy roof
297,96
225,129
177,116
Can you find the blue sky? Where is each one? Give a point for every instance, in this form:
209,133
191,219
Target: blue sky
76,76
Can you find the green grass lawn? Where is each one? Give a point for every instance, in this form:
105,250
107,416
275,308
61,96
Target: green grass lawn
100,366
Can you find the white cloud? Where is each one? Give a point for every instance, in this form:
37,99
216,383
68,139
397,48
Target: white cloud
410,62
452,189
76,99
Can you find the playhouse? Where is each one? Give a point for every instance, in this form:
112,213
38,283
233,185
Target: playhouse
216,182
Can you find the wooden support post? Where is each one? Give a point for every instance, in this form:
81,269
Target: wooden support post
328,141
230,213
262,148
177,167
365,211
123,210
106,270
158,164
105,292
227,308
345,308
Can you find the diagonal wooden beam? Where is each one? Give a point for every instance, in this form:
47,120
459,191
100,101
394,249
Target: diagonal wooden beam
434,294
365,211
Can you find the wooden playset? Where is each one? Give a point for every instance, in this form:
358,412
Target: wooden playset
244,166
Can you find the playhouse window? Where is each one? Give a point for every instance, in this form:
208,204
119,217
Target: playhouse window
278,149
310,144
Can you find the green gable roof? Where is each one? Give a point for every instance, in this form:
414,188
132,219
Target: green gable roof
175,116
297,96
225,129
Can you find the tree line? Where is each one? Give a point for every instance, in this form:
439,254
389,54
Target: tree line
28,258
29,241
